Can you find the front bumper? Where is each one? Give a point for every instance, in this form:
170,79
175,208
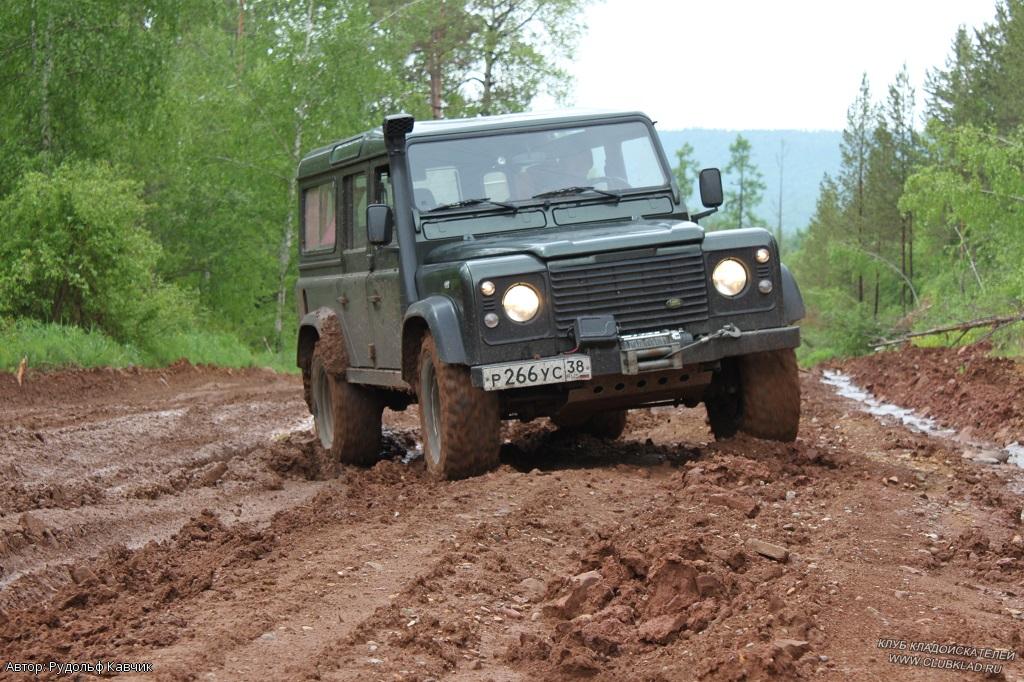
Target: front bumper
615,359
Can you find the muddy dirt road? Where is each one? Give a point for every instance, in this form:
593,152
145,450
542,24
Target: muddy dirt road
185,519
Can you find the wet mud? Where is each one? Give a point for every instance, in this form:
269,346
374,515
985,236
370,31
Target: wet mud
189,519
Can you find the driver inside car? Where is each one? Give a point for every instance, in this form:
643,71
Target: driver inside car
575,166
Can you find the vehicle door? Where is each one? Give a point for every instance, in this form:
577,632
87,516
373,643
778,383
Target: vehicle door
319,253
350,293
383,288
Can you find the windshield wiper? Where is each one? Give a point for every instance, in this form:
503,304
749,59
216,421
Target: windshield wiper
577,189
472,202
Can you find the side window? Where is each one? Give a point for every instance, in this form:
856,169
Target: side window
382,192
318,218
355,210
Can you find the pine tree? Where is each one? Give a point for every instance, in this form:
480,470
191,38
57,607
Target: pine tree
855,150
686,170
746,188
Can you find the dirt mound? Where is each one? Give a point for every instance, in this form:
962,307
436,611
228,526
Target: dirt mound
963,388
298,455
632,601
119,601
19,497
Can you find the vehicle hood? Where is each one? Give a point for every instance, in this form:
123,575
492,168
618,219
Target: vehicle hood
571,240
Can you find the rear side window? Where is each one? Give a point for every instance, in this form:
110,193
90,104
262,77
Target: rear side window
318,218
355,196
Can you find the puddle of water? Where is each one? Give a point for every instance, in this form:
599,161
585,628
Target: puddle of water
845,387
402,444
991,454
1016,452
304,424
412,455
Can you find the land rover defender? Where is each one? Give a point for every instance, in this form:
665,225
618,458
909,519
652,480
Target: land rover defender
525,266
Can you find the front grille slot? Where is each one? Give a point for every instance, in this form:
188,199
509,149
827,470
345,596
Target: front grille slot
635,289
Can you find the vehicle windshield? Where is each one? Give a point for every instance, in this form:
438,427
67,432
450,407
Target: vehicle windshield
517,167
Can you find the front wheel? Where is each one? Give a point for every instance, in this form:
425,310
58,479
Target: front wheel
460,423
771,394
758,394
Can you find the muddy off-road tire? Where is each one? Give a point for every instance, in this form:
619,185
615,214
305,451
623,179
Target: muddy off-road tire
347,417
307,385
758,394
771,395
460,423
603,425
724,401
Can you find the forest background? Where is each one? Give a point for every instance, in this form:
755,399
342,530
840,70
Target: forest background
148,149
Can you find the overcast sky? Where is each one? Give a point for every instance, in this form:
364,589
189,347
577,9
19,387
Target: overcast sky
758,64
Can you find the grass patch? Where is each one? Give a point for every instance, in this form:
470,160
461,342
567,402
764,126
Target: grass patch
199,348
52,346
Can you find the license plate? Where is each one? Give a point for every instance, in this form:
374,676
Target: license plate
536,372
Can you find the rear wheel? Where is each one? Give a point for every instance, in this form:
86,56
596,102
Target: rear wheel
460,423
347,416
605,425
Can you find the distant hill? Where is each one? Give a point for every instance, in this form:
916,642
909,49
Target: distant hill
809,154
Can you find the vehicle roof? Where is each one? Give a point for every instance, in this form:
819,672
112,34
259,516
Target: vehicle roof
372,141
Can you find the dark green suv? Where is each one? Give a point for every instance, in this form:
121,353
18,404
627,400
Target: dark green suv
524,266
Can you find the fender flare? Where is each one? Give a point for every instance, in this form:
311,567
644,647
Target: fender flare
792,299
312,326
438,315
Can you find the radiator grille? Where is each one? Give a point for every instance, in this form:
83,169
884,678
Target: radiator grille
635,289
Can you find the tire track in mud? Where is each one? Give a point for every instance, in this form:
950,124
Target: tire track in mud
345,586
129,471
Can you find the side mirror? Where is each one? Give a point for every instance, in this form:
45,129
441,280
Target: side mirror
380,224
711,187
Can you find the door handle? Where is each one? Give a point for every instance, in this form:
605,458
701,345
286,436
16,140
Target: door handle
376,299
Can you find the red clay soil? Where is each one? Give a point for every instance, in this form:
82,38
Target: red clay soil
962,388
210,537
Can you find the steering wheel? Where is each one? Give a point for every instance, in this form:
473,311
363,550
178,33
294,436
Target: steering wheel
610,181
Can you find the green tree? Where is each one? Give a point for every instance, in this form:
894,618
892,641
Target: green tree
479,57
686,170
969,209
951,100
239,114
431,44
516,52
75,251
78,77
746,186
855,151
983,81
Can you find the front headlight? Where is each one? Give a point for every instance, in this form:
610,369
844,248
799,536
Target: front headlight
729,277
521,302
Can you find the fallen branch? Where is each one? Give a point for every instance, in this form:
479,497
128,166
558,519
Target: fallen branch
995,322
